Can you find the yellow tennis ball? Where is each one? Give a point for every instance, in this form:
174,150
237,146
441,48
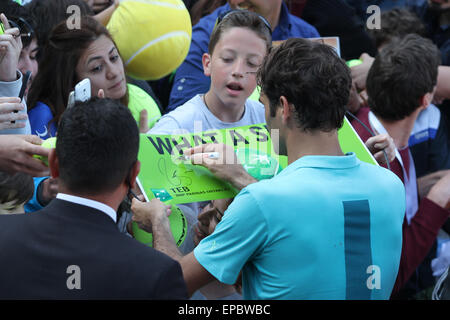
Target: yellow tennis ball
49,144
153,37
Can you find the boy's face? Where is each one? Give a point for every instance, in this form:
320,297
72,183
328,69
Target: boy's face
11,208
233,65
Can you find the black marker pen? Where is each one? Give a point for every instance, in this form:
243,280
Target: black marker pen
25,80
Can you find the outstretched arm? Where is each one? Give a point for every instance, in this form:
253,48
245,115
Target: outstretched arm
226,166
153,217
16,155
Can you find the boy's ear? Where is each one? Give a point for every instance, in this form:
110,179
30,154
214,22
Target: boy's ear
53,163
427,99
206,61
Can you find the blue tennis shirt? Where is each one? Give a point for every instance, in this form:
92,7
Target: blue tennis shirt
326,227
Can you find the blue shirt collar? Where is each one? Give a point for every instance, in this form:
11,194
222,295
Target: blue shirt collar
327,162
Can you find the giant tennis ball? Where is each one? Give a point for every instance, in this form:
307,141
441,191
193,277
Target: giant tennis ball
153,37
139,100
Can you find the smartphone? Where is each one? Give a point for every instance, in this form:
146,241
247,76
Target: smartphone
26,78
82,92
71,100
2,29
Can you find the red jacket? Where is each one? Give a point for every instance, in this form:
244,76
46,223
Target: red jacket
420,234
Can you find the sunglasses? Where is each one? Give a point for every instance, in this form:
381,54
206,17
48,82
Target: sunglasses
227,13
25,29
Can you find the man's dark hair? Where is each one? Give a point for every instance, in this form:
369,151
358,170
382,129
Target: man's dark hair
97,145
312,77
402,73
18,188
397,23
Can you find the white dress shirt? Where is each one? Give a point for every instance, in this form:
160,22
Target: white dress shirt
89,203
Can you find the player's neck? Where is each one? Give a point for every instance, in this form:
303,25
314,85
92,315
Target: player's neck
300,144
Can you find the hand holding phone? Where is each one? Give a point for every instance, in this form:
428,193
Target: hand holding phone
81,93
25,80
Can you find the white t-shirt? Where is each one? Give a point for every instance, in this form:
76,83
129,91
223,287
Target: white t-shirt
194,116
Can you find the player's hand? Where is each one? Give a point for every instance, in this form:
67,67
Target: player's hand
148,214
225,166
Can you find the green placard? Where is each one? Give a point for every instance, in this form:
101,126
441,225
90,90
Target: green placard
351,142
165,175
173,180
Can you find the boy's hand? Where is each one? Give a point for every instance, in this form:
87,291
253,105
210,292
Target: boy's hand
7,107
49,190
16,155
425,183
143,121
359,72
440,192
380,143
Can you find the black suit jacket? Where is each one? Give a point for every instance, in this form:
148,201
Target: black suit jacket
46,254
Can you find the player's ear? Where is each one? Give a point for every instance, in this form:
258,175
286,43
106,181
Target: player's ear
286,109
206,61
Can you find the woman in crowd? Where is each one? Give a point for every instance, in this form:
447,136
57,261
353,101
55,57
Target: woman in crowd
72,55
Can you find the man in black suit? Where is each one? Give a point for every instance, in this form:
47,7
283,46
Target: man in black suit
72,248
